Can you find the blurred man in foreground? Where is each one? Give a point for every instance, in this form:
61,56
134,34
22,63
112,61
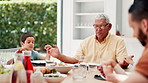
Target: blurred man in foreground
138,20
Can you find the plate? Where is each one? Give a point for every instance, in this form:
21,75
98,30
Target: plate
38,63
55,79
49,61
8,66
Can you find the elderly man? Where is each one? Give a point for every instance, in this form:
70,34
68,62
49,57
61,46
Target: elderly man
97,48
138,20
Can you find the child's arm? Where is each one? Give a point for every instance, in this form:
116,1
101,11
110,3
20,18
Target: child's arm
11,61
20,50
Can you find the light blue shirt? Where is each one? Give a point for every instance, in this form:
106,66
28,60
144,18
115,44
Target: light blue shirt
35,55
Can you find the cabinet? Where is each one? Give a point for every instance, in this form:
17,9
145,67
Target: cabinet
84,14
78,19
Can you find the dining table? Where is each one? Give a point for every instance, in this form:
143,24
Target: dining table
89,79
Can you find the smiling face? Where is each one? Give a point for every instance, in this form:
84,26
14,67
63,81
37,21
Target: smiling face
28,44
138,30
101,28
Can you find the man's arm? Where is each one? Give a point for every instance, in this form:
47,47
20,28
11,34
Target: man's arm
121,54
136,77
54,52
67,59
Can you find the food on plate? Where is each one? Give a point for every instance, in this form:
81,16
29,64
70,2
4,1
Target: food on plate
54,78
59,64
54,71
3,70
44,70
53,75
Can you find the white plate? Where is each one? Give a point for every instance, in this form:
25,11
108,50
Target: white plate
8,66
38,61
55,79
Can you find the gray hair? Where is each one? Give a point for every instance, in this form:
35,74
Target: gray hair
102,16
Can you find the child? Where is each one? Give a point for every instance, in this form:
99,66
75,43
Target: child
27,43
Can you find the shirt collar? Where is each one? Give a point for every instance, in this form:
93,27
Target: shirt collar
107,37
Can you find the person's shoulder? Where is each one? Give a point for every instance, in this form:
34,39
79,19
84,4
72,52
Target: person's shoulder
33,51
115,37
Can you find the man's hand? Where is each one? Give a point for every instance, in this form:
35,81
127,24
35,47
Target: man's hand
47,47
53,51
129,60
126,61
107,69
103,67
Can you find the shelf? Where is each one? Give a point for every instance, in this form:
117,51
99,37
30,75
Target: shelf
85,12
88,0
84,27
80,14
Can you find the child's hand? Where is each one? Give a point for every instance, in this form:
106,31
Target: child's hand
20,50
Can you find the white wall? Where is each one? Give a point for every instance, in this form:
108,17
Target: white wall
126,30
133,47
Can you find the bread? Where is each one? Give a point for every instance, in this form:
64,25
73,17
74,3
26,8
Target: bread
44,70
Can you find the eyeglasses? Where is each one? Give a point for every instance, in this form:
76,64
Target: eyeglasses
101,27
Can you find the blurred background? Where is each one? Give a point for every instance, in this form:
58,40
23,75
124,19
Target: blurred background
64,23
38,17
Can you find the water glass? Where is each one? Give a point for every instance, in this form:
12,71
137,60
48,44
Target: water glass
18,56
92,69
79,72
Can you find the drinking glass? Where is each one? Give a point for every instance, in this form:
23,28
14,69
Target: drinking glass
18,56
92,69
79,72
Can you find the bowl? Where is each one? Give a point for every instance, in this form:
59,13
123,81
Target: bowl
54,79
61,68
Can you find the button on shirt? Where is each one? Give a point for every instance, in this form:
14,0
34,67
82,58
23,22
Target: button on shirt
112,48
